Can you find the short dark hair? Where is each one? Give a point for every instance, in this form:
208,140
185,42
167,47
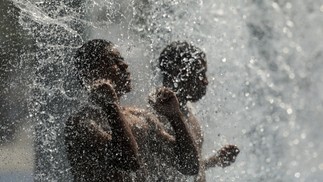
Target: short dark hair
178,55
92,56
183,66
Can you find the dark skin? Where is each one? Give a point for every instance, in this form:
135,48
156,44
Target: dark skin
167,104
187,81
104,142
223,158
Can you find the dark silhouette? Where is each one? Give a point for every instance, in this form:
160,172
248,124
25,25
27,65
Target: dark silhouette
108,142
183,67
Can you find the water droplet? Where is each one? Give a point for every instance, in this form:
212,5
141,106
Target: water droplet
297,175
289,111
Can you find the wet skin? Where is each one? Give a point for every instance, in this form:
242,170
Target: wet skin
103,141
189,81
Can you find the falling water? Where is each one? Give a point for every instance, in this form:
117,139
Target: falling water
264,68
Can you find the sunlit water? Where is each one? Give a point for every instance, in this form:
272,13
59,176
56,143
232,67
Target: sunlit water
264,68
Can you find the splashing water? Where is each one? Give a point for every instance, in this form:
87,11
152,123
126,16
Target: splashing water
264,68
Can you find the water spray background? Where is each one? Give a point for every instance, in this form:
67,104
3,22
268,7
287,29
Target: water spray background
264,68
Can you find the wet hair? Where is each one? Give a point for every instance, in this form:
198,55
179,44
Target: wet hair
179,55
93,56
178,60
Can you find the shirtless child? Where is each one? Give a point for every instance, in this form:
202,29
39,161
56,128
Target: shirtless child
183,67
108,142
